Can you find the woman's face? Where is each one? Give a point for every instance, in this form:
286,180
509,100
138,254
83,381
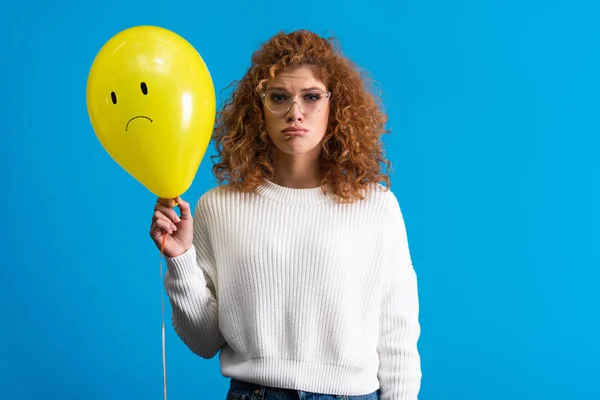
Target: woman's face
296,111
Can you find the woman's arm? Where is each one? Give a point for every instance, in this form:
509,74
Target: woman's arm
192,293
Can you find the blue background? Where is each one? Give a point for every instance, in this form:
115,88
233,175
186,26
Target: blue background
494,110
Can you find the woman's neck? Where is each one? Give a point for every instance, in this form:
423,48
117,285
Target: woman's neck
297,171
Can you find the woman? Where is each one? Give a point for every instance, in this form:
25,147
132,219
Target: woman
297,269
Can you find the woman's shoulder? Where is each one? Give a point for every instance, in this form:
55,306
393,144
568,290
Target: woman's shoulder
214,194
381,197
220,197
210,202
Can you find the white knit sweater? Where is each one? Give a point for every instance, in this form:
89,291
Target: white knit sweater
300,292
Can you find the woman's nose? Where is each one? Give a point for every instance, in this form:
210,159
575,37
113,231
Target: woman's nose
294,113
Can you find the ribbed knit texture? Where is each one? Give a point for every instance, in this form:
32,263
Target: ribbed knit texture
300,292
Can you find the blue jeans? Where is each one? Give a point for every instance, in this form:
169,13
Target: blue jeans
240,390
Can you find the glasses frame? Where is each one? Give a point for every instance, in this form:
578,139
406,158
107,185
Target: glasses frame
326,93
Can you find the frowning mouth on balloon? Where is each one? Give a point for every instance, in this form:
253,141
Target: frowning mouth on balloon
139,116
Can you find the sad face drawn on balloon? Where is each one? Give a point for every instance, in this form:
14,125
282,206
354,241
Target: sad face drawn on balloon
141,99
144,89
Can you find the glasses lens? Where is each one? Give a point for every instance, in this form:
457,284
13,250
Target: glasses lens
280,102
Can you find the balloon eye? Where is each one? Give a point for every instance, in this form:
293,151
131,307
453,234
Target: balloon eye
144,88
113,96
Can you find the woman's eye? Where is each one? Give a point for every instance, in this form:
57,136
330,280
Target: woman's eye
278,98
312,97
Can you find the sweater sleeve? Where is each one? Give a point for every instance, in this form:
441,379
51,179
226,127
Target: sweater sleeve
400,365
189,283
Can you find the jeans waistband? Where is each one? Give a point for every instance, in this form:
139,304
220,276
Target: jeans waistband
237,384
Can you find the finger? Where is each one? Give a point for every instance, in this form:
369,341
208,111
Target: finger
159,216
162,225
169,212
156,231
184,208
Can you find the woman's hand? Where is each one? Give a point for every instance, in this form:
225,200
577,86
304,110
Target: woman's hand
178,229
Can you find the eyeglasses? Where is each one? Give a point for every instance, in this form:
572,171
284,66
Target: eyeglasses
280,102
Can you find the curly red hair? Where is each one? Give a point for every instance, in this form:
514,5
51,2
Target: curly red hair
352,153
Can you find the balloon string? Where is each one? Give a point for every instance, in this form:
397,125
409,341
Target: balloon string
162,248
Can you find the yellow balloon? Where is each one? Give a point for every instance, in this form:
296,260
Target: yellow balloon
151,102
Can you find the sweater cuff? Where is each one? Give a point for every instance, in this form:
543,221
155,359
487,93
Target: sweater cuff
184,264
